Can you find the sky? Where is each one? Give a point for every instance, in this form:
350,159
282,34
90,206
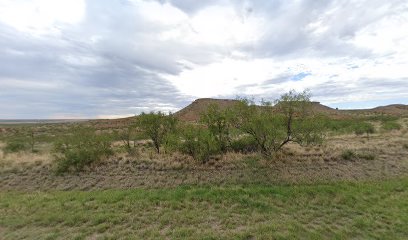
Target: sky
116,58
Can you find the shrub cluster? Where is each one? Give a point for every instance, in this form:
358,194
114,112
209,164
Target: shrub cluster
391,125
244,128
81,148
15,146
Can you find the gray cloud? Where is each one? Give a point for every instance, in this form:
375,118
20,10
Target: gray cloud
113,62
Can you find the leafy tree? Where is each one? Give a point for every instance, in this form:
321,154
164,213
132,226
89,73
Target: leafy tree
290,120
219,124
156,126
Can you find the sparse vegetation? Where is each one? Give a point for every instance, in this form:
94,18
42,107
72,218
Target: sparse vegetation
82,148
207,178
353,155
348,154
14,146
391,125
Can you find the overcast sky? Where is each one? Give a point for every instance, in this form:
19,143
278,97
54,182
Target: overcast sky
113,58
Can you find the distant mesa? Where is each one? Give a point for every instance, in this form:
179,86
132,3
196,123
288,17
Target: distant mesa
192,112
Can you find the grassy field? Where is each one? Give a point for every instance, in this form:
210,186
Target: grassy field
342,210
351,187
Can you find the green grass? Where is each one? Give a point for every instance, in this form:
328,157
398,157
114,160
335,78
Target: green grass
362,210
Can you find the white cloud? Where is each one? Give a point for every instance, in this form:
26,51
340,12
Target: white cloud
118,57
41,16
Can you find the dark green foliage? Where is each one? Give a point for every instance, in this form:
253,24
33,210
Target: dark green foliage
15,146
310,130
156,126
198,142
341,126
81,148
244,144
348,154
361,128
390,125
219,124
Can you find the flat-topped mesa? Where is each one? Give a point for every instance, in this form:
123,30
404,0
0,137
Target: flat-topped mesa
192,112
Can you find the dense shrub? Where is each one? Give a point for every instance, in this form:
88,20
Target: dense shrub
341,126
15,146
391,125
198,142
361,128
219,123
81,148
244,144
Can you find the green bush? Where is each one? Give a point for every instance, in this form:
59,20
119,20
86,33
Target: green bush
391,125
81,148
341,126
15,146
361,128
382,118
348,154
198,142
244,144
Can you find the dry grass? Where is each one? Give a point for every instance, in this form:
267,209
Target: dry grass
380,157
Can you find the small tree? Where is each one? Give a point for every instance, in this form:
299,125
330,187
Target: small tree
156,126
219,124
290,120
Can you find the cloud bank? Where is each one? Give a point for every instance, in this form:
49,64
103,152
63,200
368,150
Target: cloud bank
111,58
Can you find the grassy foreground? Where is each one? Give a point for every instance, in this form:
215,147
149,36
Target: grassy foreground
334,211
